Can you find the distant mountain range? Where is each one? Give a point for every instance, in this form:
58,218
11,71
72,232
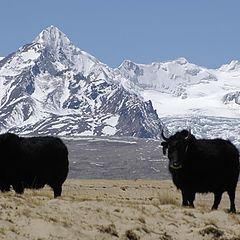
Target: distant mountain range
185,95
52,87
181,88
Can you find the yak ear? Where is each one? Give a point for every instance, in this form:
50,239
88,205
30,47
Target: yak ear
165,146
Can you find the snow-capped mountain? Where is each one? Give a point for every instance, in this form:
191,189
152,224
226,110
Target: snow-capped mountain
179,87
167,77
52,87
189,96
233,66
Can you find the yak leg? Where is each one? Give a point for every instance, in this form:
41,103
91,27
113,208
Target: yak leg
5,188
191,199
217,200
231,194
188,198
184,198
18,187
57,189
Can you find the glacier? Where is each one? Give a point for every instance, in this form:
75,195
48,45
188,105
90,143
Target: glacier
185,95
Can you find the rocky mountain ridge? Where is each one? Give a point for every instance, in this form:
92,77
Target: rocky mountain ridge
52,87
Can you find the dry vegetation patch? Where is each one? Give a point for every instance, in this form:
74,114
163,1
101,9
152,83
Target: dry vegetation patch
109,229
120,209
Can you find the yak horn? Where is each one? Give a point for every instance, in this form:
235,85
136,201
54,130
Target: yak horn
189,134
163,137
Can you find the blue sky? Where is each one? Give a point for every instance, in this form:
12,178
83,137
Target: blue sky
205,32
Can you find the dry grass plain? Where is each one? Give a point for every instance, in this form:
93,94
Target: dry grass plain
114,209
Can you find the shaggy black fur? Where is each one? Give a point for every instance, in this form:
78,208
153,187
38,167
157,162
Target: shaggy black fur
202,166
32,162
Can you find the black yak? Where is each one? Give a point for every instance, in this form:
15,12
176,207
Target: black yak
32,162
202,166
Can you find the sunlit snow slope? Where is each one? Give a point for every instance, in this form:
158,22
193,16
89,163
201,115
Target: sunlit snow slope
189,96
179,87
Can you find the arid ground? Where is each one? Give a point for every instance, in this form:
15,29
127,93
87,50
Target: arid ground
114,209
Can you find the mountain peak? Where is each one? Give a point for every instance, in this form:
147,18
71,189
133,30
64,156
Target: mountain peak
127,64
181,61
231,67
53,37
64,51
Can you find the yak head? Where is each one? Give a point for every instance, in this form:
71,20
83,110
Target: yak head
176,147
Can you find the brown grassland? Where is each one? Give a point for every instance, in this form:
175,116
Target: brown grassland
115,209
